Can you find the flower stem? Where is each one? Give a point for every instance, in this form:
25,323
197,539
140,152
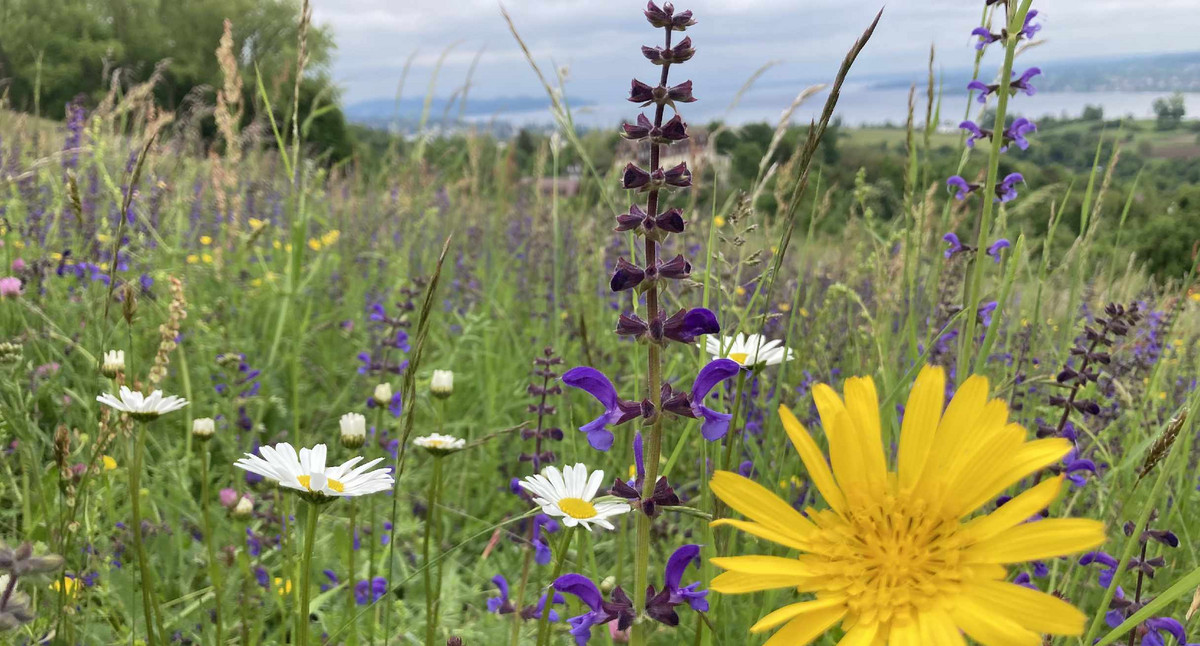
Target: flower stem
214,570
350,571
560,560
432,582
515,637
310,537
136,451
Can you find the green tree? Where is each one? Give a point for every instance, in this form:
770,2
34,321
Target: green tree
1169,111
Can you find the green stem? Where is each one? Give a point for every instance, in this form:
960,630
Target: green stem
560,560
214,571
350,571
310,537
135,486
515,637
432,589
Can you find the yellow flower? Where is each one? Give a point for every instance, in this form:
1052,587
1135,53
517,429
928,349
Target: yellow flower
314,244
256,224
804,312
67,585
1195,296
895,558
740,291
109,463
207,258
283,587
18,244
276,244
193,259
206,240
331,237
719,221
785,307
103,238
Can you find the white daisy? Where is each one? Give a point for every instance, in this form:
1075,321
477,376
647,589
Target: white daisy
441,385
569,494
142,407
439,444
308,474
113,363
750,351
354,430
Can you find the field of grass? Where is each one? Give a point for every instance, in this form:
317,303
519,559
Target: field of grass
278,295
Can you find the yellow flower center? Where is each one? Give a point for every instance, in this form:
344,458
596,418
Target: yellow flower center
890,558
577,508
739,357
305,481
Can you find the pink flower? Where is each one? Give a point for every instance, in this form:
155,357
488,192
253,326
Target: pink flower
229,497
10,287
18,265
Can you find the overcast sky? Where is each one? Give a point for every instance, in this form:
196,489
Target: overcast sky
599,39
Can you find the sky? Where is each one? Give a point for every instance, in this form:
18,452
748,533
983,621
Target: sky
598,41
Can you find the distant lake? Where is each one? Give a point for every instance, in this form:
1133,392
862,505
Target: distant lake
865,105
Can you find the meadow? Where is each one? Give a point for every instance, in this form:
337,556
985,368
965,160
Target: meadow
1009,418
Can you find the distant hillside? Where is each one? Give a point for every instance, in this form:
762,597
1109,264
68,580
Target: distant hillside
380,112
1148,73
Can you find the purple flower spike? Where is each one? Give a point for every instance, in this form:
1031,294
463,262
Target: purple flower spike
1006,191
616,410
685,325
667,18
994,250
964,187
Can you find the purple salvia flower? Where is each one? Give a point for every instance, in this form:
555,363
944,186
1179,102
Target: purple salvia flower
1028,30
986,37
1006,190
685,325
1022,83
977,133
994,250
616,410
1102,558
500,605
661,606
955,246
964,187
626,276
692,404
663,494
1017,131
667,18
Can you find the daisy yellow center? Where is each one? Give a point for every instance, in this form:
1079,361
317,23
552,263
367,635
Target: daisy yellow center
739,357
577,508
891,558
305,481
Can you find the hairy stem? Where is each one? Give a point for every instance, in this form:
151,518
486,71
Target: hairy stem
432,581
214,570
560,560
136,452
310,537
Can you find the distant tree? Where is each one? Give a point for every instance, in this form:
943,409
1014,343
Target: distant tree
1093,113
1169,111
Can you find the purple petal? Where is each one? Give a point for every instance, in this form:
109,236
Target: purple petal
677,563
581,587
711,375
715,424
594,382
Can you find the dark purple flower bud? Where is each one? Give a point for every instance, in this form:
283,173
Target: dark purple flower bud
670,221
681,93
685,325
616,410
964,187
1162,536
667,18
641,93
632,220
994,250
673,130
680,53
631,325
626,276
1006,190
977,133
679,176
634,177
639,131
676,268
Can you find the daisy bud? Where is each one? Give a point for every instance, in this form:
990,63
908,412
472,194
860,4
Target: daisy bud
383,394
442,384
354,430
608,583
440,445
244,509
113,364
203,428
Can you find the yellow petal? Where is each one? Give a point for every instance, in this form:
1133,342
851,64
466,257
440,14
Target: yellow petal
938,629
739,583
829,405
813,459
959,418
805,628
990,627
763,532
921,416
1042,539
860,635
802,609
755,502
764,565
862,403
1015,511
1033,609
1029,458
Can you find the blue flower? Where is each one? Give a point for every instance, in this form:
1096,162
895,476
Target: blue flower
691,404
616,410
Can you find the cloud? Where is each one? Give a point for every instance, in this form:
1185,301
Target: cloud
598,40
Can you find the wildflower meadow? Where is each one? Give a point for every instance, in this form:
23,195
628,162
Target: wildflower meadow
255,392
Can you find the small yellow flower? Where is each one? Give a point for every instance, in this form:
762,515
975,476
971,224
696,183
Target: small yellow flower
1162,394
1195,296
66,585
288,247
898,557
257,282
740,291
719,221
774,249
804,312
785,307
109,463
207,258
19,244
103,238
277,244
206,240
314,244
331,237
56,256
193,259
256,224
283,587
